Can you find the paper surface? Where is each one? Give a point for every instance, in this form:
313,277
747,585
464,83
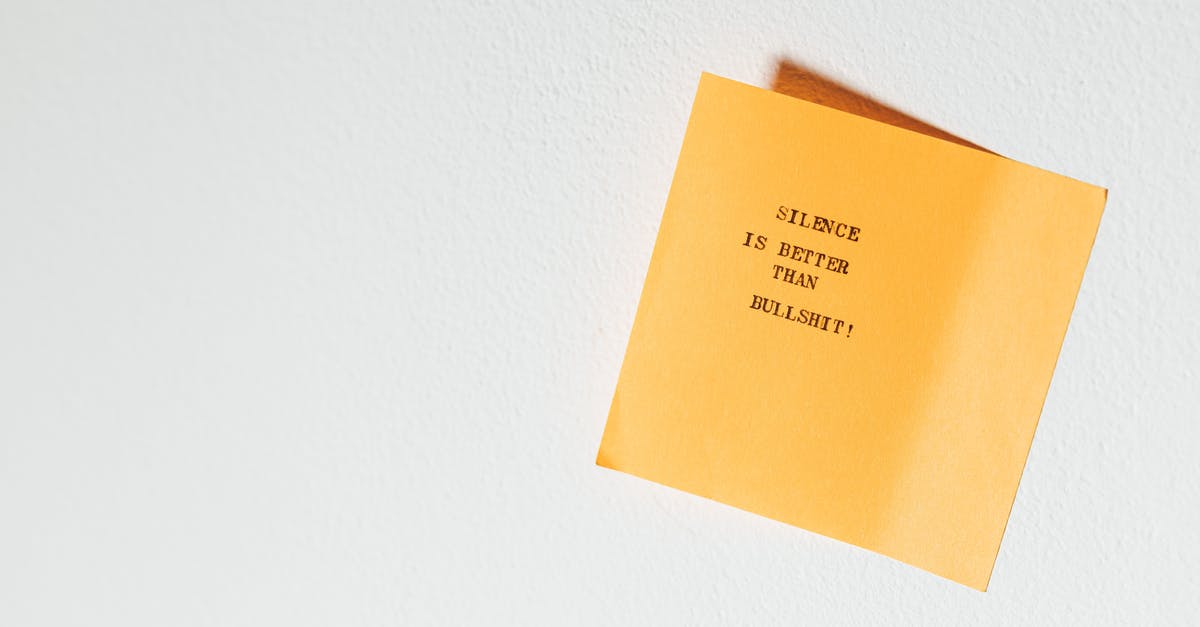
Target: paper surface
849,327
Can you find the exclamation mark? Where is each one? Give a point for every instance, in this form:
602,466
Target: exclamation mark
849,328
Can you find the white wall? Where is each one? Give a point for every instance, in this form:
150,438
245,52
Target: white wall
310,313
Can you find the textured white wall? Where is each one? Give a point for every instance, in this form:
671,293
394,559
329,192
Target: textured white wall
310,313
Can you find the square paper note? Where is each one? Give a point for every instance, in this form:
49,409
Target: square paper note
849,327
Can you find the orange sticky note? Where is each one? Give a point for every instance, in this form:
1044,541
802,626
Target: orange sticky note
849,327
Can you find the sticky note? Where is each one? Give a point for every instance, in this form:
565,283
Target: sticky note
849,327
